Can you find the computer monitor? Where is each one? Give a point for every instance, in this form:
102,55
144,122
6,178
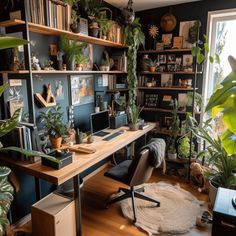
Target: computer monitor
99,122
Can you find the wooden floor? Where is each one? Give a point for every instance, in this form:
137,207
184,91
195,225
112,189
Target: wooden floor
98,221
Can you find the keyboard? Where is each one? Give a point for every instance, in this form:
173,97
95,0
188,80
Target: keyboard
111,136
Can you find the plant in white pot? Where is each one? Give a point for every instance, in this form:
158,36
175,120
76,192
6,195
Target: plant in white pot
54,125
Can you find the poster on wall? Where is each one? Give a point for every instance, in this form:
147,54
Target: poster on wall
82,89
184,31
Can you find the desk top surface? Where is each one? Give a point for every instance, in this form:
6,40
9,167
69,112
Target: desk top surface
81,161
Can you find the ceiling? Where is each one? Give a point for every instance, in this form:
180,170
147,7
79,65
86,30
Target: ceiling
140,5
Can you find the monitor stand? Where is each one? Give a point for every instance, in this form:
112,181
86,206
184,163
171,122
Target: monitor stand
102,133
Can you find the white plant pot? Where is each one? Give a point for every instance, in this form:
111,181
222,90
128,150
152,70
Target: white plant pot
172,156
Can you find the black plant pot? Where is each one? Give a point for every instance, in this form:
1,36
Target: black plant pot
75,27
93,32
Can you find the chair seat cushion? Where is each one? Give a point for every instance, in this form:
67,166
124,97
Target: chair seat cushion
120,172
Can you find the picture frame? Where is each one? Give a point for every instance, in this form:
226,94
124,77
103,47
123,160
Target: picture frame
161,68
168,121
167,40
182,100
178,42
166,80
184,27
82,89
188,62
15,105
53,49
171,58
162,58
171,68
15,82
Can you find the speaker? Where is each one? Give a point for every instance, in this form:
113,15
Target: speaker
118,121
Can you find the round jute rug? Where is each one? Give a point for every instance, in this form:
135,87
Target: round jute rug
176,214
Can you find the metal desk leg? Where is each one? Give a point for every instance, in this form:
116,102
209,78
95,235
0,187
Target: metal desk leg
37,188
77,199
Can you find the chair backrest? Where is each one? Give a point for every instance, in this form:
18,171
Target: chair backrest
140,170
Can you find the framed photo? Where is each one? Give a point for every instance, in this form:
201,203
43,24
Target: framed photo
162,59
82,89
188,62
168,121
166,80
167,40
161,68
14,105
53,49
171,68
171,58
178,42
184,28
182,99
15,82
159,46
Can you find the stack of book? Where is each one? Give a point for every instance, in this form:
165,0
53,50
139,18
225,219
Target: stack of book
52,13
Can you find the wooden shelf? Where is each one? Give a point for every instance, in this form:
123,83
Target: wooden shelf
166,88
166,110
117,90
177,72
166,50
42,29
69,72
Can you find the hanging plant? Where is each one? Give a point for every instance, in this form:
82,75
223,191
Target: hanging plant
134,37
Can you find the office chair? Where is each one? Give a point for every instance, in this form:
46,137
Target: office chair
132,173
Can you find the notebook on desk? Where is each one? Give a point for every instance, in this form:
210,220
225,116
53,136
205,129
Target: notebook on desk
77,148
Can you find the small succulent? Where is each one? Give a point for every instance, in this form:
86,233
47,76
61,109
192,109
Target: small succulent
152,63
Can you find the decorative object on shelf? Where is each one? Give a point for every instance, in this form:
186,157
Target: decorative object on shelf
53,49
151,100
162,58
153,32
159,46
49,100
82,90
168,22
166,80
48,65
128,13
167,40
75,17
188,63
178,42
145,62
90,138
106,62
35,63
182,100
54,125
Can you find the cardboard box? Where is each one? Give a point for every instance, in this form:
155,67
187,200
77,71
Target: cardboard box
54,215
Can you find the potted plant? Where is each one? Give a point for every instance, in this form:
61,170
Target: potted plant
74,26
152,65
174,128
70,48
80,61
133,113
48,65
54,125
106,62
104,24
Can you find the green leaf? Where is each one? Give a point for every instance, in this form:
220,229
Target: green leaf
3,88
11,42
200,58
229,142
211,58
217,58
30,153
221,94
206,46
195,51
11,123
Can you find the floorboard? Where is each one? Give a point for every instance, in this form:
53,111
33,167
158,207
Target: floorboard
98,221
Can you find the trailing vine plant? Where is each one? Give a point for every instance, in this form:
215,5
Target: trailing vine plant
134,37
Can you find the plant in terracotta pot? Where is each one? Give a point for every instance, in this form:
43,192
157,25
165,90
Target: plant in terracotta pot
80,61
54,125
152,65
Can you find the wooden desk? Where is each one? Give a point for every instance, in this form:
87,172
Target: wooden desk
80,163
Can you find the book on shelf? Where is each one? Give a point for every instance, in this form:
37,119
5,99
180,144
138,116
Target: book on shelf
120,62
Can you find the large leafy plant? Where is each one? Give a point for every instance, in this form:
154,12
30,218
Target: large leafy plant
6,189
223,101
134,37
